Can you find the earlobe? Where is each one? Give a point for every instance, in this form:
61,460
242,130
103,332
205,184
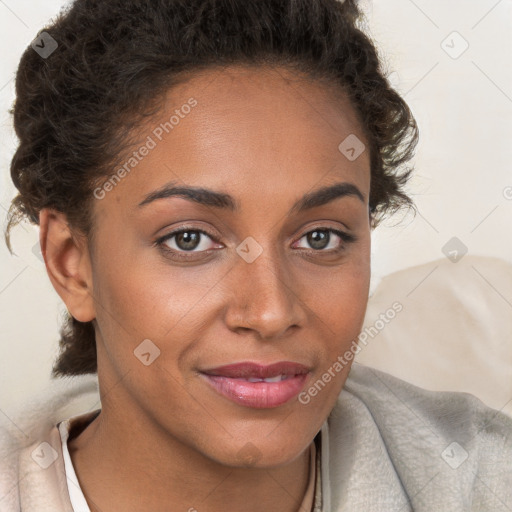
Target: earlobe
68,264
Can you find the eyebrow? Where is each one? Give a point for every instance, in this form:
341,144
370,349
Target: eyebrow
219,200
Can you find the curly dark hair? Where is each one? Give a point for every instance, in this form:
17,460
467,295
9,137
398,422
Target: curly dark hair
115,60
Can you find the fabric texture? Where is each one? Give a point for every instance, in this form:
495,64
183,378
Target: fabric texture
386,446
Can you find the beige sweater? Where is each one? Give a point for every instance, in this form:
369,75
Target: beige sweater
387,446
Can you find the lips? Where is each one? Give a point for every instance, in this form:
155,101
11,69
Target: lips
253,370
258,386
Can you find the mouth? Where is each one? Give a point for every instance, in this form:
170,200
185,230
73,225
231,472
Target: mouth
258,386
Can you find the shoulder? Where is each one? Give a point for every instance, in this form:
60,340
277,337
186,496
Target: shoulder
23,430
448,442
451,414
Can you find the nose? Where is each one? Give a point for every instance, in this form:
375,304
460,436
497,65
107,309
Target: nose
264,297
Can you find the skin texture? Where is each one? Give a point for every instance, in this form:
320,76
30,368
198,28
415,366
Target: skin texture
164,436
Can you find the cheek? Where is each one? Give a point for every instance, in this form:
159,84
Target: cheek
339,295
137,301
348,300
340,310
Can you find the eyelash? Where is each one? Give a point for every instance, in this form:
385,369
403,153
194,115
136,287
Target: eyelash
184,255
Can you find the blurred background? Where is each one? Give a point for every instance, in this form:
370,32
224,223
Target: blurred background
452,62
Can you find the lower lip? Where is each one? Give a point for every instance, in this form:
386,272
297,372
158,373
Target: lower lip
259,395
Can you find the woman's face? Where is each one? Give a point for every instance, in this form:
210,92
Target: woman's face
256,275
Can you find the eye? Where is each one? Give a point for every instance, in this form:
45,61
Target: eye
321,239
186,240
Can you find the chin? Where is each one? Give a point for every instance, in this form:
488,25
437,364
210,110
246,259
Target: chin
261,452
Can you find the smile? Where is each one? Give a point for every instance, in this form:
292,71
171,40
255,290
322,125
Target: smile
258,386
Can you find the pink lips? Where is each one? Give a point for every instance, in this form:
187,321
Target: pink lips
243,382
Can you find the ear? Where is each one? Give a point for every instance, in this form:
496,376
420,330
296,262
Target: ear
68,264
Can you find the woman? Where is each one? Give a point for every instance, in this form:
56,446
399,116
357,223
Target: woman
206,175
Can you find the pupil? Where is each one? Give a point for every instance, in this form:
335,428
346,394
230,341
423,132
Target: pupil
318,239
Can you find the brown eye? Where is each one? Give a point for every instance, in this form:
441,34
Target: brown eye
187,240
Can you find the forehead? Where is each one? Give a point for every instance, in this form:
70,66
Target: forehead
265,130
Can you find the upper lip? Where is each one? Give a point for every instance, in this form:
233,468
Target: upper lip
246,370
